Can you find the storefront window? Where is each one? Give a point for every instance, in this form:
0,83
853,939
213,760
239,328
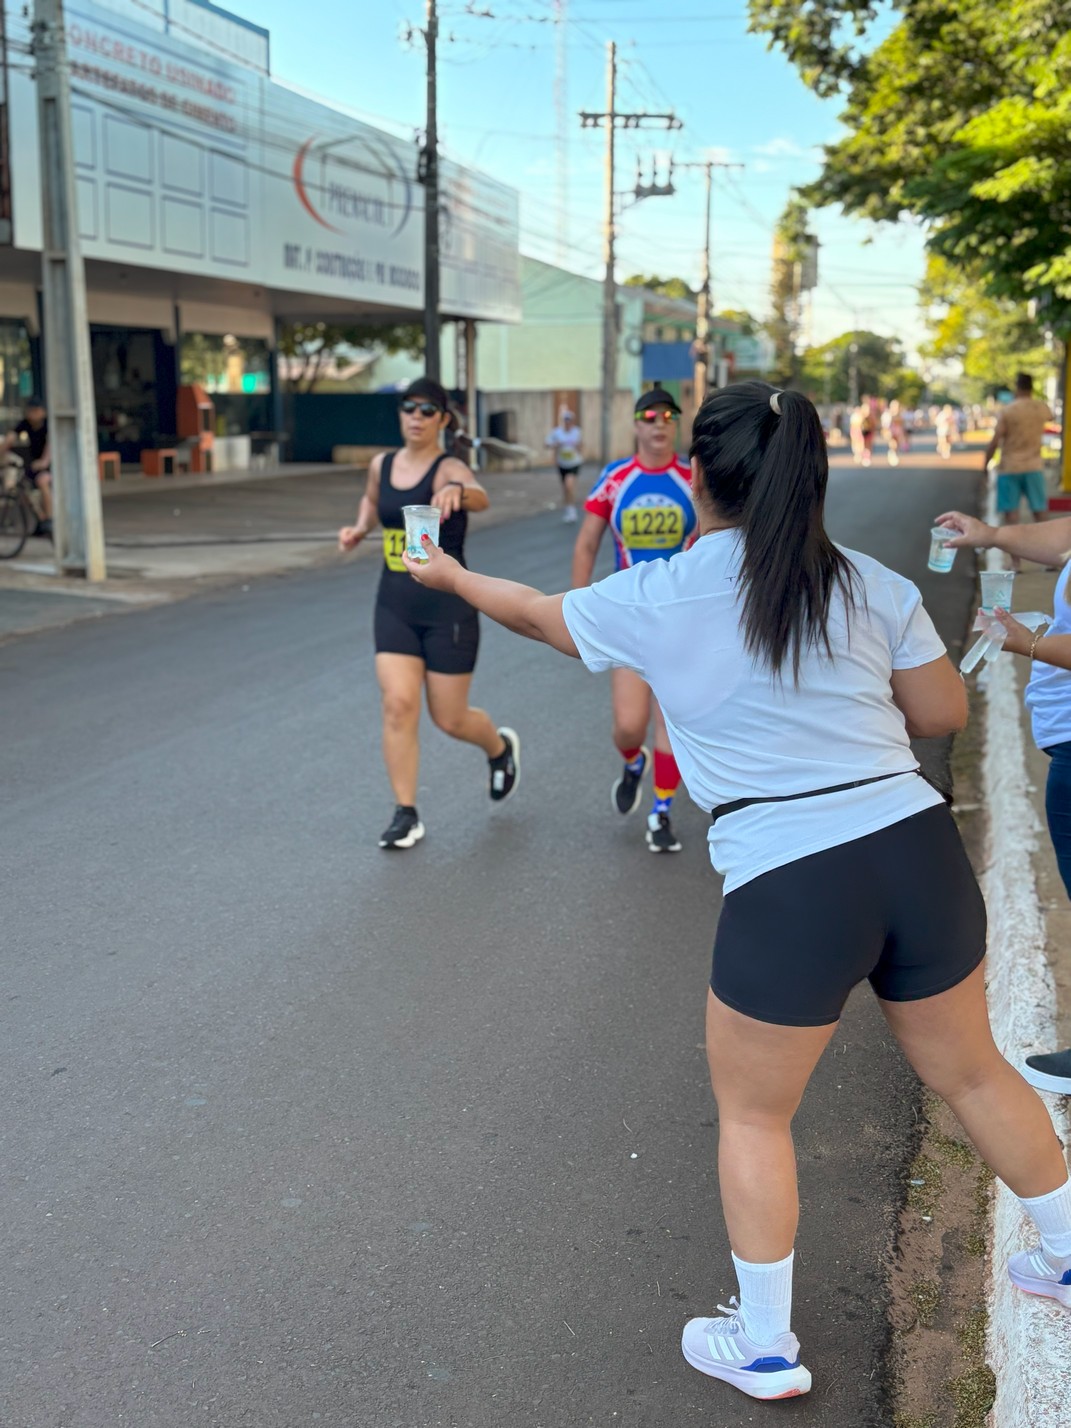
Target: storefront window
16,371
238,366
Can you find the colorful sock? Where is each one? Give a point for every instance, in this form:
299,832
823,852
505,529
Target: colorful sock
765,1298
1051,1214
667,779
633,759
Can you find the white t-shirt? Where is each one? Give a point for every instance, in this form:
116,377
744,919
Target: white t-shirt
567,445
739,732
1048,692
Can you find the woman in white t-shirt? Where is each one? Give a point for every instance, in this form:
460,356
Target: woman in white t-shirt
791,674
1048,697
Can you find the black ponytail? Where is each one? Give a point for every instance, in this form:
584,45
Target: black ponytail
765,467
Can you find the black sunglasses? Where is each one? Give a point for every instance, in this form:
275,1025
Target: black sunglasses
426,409
656,414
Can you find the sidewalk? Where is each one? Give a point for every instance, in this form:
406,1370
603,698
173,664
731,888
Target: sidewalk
1029,984
171,537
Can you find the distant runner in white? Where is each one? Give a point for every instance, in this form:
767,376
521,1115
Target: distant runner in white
567,444
792,674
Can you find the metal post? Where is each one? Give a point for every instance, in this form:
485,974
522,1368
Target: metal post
609,291
471,391
78,524
432,362
701,377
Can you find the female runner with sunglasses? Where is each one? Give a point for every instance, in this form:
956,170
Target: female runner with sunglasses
646,501
425,639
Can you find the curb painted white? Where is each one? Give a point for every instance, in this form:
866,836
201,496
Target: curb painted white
1029,1339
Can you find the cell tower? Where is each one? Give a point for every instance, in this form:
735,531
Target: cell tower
561,115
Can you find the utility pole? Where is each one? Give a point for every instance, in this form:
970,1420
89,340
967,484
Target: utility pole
614,119
78,524
703,314
430,177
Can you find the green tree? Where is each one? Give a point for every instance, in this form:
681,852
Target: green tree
992,338
958,115
313,349
879,363
789,251
665,287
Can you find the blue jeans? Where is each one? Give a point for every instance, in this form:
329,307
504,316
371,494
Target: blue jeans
1058,807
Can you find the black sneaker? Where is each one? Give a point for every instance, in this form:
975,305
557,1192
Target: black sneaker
506,769
628,789
660,835
405,829
1050,1071
44,530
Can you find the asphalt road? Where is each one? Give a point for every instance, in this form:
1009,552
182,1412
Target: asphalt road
297,1132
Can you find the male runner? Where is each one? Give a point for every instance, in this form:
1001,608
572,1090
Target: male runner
646,500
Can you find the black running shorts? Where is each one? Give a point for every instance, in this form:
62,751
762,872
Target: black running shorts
446,646
900,907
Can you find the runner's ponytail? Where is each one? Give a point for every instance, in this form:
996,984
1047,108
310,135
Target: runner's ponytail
763,457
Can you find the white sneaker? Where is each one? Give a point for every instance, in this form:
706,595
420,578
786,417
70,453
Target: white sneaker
720,1348
1035,1273
569,515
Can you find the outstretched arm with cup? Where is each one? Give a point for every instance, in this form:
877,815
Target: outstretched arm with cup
1046,542
526,611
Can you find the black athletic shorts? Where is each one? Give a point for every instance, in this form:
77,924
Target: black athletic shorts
566,471
900,907
447,646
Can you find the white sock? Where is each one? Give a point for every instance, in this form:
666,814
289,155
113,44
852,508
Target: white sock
765,1298
1051,1214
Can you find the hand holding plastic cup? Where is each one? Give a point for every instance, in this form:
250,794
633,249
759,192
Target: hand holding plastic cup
997,589
420,521
942,555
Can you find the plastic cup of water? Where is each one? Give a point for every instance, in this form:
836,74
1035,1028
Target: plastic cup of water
942,555
420,521
997,589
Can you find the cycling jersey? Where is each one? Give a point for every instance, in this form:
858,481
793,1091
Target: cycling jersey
649,512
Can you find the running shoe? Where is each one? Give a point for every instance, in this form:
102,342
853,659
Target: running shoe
628,789
405,829
720,1348
1035,1273
569,515
660,835
1049,1071
506,768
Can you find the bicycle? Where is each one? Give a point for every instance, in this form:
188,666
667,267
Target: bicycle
20,515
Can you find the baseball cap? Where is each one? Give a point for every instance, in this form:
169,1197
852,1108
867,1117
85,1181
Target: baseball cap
656,397
426,389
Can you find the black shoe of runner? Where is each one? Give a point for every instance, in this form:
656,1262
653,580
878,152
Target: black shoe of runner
506,768
1049,1071
660,835
405,829
628,789
44,530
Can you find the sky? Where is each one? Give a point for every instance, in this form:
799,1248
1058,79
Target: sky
497,112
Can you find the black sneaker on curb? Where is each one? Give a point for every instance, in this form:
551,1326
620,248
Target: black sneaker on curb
506,769
628,789
1050,1071
660,835
405,829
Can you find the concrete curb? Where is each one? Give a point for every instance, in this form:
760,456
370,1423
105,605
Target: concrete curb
1028,1344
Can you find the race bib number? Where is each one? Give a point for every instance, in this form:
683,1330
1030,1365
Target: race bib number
652,527
394,549
566,455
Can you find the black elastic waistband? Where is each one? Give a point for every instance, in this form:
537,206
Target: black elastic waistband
739,803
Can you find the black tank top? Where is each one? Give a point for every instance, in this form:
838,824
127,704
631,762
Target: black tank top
396,585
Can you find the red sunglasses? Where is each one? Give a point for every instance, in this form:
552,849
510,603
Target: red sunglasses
656,414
